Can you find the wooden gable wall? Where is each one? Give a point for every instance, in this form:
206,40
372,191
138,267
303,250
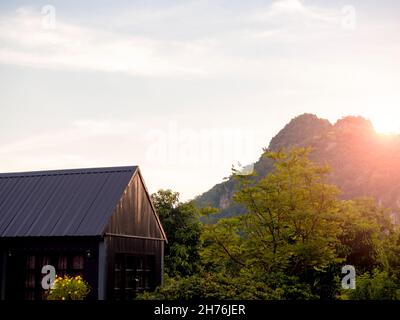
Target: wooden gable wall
134,214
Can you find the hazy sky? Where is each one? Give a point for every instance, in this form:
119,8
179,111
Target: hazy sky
184,89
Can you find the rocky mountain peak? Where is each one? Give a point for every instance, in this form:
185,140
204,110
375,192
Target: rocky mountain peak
300,129
355,124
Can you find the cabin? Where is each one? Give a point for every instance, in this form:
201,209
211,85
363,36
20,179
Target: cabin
98,223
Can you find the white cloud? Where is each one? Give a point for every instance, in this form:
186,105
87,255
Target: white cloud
82,143
67,46
79,132
290,13
285,6
24,41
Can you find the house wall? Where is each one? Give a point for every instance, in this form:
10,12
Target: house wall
99,268
2,275
138,247
13,250
134,229
134,214
102,271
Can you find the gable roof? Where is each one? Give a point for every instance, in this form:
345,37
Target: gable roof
75,202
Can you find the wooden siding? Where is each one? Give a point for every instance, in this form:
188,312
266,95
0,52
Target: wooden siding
134,214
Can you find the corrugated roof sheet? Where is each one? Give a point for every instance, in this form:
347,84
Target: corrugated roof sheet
75,202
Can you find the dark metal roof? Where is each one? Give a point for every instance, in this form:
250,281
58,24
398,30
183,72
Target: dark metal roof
76,202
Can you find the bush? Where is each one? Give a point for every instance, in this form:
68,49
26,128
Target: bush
380,285
222,287
69,288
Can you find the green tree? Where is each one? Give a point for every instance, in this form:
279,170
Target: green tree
289,236
376,285
367,233
181,224
290,243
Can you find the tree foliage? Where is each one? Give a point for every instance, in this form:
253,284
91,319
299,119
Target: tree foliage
290,243
182,227
289,232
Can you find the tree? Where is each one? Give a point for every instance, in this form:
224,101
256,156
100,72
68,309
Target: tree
377,285
291,242
181,224
366,234
289,235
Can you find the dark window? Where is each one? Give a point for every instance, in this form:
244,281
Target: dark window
132,274
62,267
30,278
77,262
65,264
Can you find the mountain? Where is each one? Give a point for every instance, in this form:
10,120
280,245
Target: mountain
364,163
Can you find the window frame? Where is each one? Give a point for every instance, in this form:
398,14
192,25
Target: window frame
133,261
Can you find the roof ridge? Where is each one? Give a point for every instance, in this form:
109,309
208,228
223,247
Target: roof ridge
61,172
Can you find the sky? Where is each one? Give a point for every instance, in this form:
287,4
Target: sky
185,89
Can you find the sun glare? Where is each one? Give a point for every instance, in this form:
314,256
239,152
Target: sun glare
386,125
